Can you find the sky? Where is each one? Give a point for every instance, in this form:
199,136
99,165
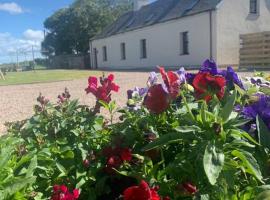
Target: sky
21,26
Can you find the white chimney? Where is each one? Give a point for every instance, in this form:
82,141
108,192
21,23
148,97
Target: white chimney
139,3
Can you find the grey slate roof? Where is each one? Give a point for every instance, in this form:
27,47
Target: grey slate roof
157,12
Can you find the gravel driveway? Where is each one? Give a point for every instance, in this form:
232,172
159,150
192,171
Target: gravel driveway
16,102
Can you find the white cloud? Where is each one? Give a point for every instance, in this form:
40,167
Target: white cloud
9,45
12,8
34,35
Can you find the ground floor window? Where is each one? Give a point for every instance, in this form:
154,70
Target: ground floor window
123,51
104,53
143,48
253,9
184,43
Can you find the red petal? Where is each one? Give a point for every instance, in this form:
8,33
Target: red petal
156,100
111,77
126,154
63,188
56,188
92,80
76,193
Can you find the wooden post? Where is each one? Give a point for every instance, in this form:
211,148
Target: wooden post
2,75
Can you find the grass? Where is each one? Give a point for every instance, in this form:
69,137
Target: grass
45,76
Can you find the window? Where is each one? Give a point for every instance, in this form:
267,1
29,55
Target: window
104,53
143,48
184,50
123,51
253,6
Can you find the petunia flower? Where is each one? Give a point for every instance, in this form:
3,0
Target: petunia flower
259,108
182,75
189,187
156,100
153,78
116,157
209,66
207,85
232,78
102,92
141,192
171,81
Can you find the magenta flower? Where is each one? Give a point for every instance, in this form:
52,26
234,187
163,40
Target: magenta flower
102,92
61,192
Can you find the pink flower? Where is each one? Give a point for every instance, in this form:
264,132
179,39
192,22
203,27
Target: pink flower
102,92
60,192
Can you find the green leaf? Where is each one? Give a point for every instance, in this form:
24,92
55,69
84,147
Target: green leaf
187,129
228,108
213,161
249,162
61,168
263,133
264,195
167,139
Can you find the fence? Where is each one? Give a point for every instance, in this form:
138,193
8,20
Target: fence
255,50
69,62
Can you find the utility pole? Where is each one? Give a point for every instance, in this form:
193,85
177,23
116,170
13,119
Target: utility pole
33,54
17,58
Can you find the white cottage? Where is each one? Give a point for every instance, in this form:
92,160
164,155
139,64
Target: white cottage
179,33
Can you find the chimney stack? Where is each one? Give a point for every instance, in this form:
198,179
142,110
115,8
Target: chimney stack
137,4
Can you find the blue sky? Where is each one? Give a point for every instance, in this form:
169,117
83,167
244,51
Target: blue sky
21,25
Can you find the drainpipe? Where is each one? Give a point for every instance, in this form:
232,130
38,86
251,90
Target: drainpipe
211,33
91,54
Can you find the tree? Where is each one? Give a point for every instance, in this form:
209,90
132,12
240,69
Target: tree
70,29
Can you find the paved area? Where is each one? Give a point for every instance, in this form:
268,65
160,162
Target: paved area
16,102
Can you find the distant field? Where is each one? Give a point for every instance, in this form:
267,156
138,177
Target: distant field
44,76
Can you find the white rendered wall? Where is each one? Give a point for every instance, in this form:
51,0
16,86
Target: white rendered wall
233,19
163,44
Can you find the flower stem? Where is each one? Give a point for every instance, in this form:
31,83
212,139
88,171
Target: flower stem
186,105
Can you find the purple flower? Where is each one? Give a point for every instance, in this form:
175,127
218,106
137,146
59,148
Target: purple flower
190,77
153,78
209,66
137,91
182,74
260,108
232,78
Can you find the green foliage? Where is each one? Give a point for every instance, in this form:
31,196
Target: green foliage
70,29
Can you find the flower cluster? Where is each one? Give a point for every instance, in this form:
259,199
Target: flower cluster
65,96
102,92
159,96
60,192
142,192
116,157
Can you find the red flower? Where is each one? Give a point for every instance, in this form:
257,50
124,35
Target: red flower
102,92
172,82
156,100
189,187
62,193
207,85
116,157
141,192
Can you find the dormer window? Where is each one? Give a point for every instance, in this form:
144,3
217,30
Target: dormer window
253,9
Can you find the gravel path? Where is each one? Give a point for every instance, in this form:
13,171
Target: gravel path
16,102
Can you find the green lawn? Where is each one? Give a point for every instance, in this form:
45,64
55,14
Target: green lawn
43,76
